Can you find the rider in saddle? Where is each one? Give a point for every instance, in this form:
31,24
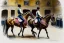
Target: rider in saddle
38,15
20,14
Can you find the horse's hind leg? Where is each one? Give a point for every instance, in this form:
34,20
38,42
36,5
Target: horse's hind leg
12,30
46,33
33,32
6,31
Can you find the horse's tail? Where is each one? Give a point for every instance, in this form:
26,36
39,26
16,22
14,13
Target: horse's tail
29,21
4,27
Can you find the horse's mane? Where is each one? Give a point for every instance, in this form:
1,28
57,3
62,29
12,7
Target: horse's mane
46,16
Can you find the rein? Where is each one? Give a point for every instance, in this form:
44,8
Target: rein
47,16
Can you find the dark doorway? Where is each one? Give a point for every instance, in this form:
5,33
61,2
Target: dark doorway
47,12
12,13
34,12
4,14
25,10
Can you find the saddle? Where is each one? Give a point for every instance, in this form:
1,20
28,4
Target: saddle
41,22
18,20
36,21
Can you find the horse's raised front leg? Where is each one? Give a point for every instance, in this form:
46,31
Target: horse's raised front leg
12,27
39,33
46,33
20,31
33,32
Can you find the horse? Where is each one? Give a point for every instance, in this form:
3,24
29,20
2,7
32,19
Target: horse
14,22
42,25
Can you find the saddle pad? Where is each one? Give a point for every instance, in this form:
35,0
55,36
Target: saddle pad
19,20
36,20
16,20
43,22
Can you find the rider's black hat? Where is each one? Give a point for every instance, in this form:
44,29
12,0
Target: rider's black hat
19,5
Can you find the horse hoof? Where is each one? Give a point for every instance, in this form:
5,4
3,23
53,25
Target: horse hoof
18,34
34,36
48,37
14,35
22,35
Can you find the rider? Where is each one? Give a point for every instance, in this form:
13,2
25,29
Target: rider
38,15
20,13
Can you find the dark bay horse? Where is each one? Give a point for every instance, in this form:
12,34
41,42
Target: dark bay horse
42,25
14,22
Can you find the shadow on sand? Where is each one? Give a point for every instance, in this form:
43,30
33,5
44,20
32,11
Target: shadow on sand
26,36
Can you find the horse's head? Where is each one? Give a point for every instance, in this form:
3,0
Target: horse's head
27,14
52,18
48,17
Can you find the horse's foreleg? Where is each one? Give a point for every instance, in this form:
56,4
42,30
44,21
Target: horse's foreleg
20,31
39,33
12,27
33,32
46,33
23,32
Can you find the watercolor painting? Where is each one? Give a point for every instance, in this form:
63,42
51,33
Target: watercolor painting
32,19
